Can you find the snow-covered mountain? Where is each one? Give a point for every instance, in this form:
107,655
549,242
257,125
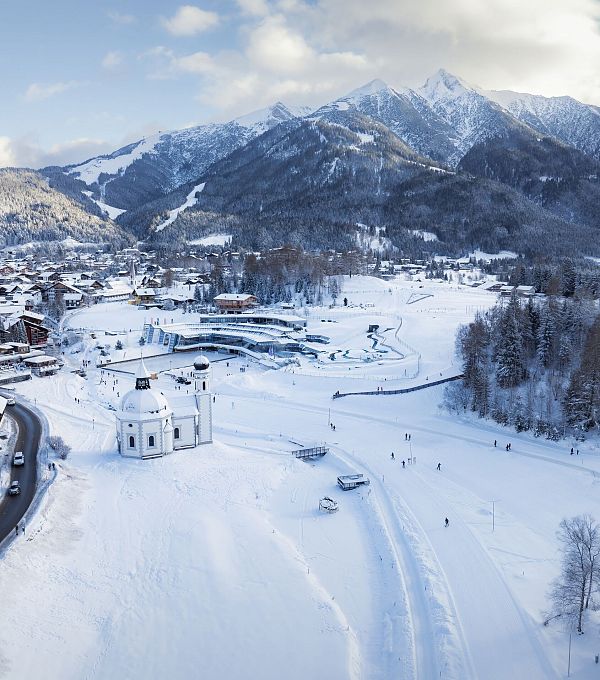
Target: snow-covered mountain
402,111
156,165
565,118
471,116
472,161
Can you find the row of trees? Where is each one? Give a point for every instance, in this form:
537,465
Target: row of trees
533,365
283,275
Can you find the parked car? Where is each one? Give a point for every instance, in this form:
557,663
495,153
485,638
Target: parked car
19,458
10,402
15,488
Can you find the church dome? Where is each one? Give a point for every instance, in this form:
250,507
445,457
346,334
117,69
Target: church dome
201,363
142,402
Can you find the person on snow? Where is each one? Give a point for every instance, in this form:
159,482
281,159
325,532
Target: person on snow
403,464
446,522
393,456
439,467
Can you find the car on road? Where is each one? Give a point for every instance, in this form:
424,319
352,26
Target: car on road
15,488
10,402
19,458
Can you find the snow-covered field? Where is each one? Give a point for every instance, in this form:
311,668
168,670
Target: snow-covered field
216,562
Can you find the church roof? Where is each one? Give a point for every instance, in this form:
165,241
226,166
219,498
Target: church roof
142,371
201,363
137,403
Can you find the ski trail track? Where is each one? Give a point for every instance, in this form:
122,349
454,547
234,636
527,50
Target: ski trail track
487,609
402,426
480,603
426,658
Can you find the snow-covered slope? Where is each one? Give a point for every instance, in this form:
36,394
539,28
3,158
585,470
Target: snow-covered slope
191,199
157,165
402,111
115,163
472,116
565,118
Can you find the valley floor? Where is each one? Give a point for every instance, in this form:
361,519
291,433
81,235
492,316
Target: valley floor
217,563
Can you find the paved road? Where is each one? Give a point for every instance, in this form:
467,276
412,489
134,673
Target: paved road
13,508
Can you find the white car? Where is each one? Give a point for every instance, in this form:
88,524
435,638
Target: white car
10,402
15,488
19,458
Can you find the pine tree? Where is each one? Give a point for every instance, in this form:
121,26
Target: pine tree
510,366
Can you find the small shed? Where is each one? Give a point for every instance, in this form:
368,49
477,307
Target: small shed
347,482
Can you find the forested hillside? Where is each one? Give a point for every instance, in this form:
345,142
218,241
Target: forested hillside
30,210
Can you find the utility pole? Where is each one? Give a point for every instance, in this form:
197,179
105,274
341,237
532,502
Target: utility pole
494,514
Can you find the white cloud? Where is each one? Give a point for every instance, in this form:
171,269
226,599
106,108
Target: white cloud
198,62
167,65
121,19
274,47
543,46
112,60
23,152
279,62
7,157
40,91
311,51
189,20
257,8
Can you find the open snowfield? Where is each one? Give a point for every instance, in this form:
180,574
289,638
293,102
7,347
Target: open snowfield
216,562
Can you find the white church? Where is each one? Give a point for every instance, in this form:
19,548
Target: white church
148,426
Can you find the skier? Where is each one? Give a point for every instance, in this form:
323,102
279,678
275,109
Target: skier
403,464
572,451
392,455
495,442
439,467
446,522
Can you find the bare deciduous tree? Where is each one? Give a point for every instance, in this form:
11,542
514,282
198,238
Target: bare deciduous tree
572,592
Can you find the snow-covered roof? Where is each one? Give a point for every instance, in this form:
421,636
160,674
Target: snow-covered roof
142,403
240,297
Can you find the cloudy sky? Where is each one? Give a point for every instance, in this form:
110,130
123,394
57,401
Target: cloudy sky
81,78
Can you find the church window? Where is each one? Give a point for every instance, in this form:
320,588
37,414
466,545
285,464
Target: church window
176,433
151,441
132,442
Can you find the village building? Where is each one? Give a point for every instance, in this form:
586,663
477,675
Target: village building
235,302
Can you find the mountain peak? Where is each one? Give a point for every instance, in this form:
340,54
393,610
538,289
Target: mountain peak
370,88
266,117
444,85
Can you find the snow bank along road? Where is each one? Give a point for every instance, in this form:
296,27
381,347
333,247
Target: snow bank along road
13,508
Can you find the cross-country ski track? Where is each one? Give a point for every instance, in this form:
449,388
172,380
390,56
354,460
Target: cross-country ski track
464,627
